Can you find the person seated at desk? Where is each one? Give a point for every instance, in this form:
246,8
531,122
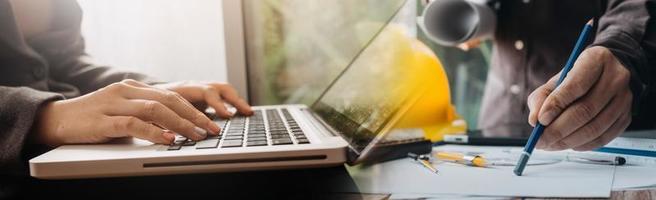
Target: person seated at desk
51,94
610,88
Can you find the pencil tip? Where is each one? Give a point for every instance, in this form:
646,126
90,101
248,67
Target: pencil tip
591,22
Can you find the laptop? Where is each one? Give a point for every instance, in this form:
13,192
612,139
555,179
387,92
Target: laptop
275,137
344,125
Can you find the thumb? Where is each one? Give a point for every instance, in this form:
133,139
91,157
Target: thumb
537,97
583,75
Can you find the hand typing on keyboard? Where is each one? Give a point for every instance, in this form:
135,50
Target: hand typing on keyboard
212,94
135,109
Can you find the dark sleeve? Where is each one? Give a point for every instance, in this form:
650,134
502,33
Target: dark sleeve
626,28
64,48
20,106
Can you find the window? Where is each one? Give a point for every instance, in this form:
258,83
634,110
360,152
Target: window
169,39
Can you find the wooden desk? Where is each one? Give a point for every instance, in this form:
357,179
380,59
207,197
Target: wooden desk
635,194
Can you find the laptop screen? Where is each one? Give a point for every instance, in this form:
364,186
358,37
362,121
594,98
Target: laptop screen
364,100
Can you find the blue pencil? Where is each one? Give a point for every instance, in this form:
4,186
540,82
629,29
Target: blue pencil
539,128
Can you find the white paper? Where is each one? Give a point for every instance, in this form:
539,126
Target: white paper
563,179
634,177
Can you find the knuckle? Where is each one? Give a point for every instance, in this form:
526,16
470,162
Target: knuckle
207,87
131,123
150,108
200,118
603,54
126,124
228,88
118,126
145,130
573,89
591,130
539,93
597,53
623,77
171,97
128,81
116,86
210,89
583,112
554,103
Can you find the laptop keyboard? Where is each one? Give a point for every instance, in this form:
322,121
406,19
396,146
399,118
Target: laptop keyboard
266,127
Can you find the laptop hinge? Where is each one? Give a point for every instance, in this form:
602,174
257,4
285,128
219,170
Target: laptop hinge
352,153
325,125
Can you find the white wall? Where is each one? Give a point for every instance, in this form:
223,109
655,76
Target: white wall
168,39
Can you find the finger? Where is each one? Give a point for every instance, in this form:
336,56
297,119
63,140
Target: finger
124,126
582,111
536,100
584,74
594,128
537,97
143,85
153,111
214,100
232,97
615,130
175,102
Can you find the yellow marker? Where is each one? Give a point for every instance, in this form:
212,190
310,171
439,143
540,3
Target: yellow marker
462,159
424,160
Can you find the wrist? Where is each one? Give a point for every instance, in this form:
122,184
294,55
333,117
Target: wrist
46,125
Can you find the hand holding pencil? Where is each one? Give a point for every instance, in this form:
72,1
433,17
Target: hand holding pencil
583,107
590,108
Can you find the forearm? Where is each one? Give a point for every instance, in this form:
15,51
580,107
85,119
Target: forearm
19,111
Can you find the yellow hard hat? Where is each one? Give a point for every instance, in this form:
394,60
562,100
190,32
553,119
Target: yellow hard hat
432,110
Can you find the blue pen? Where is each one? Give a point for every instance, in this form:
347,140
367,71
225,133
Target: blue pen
539,128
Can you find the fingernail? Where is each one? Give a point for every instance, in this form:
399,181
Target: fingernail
170,137
200,131
547,117
214,128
